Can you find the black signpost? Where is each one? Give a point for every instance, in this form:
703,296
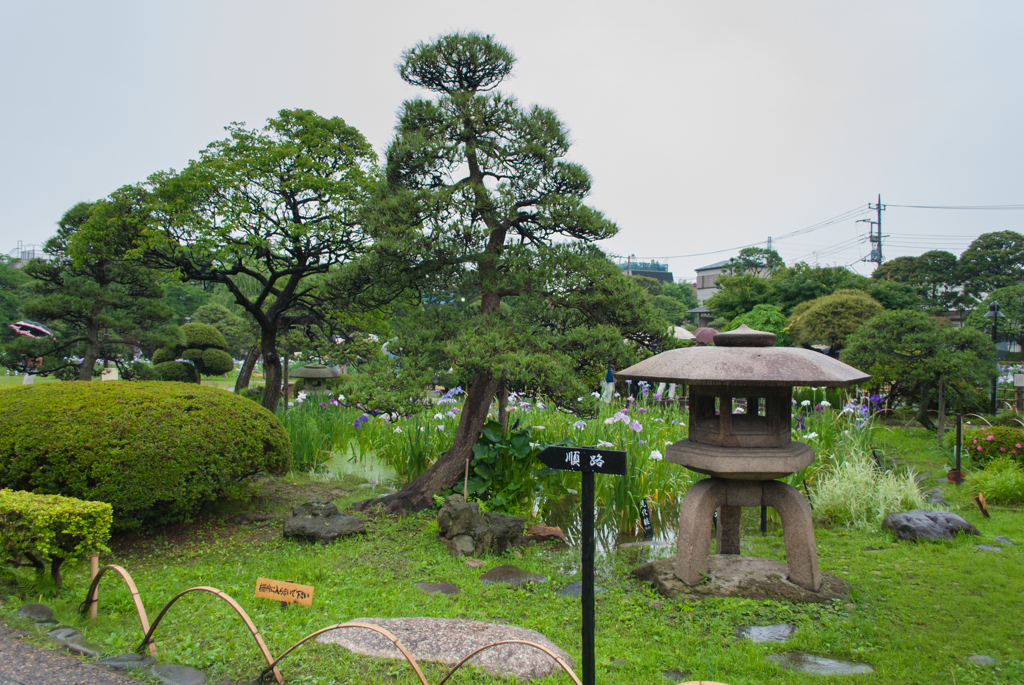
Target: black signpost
645,520
588,461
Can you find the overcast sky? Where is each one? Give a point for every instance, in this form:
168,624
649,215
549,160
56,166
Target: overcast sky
706,125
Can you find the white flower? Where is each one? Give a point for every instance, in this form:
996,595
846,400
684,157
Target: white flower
602,443
826,403
539,428
439,427
656,455
439,416
668,443
341,398
580,425
805,403
398,429
810,436
422,428
595,394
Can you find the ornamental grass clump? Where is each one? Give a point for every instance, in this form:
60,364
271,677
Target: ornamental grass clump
49,529
856,492
1002,481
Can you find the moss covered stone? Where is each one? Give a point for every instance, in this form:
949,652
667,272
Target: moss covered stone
155,451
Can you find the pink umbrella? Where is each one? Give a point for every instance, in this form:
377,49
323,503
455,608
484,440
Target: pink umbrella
32,329
705,336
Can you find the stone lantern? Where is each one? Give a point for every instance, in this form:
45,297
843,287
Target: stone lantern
316,376
743,452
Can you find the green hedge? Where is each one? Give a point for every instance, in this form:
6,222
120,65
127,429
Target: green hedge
50,528
155,451
182,372
985,444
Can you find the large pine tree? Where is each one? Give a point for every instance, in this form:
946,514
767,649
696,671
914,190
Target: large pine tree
480,200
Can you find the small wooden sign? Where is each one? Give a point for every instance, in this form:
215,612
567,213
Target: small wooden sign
645,520
284,592
585,459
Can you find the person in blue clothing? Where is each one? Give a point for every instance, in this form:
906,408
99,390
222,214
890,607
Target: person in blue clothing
608,386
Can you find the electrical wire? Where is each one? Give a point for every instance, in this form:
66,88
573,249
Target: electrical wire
978,207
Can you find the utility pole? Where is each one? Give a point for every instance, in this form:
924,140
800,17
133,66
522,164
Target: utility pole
876,239
769,242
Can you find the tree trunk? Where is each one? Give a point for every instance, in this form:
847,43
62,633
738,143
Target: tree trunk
942,409
245,373
503,405
418,495
922,407
55,563
92,353
271,370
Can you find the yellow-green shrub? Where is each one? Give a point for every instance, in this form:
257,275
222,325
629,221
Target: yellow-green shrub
51,528
1002,481
155,451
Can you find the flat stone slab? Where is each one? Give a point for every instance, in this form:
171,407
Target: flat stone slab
922,524
982,660
126,662
173,674
732,575
775,633
76,645
511,575
36,612
988,548
575,589
449,640
818,665
443,588
320,520
63,634
1003,540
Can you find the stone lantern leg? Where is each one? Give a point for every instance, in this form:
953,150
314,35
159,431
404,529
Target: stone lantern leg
739,434
727,497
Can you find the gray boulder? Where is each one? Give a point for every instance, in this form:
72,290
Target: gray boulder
320,520
920,524
465,530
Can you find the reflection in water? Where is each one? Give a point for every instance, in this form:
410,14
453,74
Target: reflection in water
566,515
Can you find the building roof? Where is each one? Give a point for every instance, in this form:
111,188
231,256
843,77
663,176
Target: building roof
716,265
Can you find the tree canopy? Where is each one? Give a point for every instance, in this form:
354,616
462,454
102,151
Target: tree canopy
274,207
831,319
755,260
992,261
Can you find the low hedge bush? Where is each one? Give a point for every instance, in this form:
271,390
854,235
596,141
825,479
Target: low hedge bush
51,528
155,451
182,372
992,442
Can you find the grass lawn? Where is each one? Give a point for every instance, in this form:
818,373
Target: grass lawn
919,610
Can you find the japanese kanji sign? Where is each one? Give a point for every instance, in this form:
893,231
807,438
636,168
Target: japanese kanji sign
284,592
585,459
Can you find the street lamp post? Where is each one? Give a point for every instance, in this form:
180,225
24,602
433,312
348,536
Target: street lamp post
994,314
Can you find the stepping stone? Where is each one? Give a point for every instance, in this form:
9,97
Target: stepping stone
818,665
511,575
443,588
449,640
474,563
774,633
1003,540
542,533
126,662
63,634
988,548
676,676
575,590
38,612
982,660
173,674
76,645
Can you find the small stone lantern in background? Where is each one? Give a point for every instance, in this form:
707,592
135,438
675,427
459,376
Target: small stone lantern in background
316,376
744,453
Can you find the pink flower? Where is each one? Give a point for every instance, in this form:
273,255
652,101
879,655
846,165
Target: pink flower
1002,449
975,442
1017,445
979,449
991,438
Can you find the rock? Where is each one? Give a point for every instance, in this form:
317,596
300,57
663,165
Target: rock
173,674
511,575
988,548
320,520
448,640
63,634
542,533
575,590
37,612
934,492
76,645
616,662
1003,540
818,665
676,676
982,660
464,530
850,607
920,524
732,575
443,588
126,662
461,545
779,632
474,563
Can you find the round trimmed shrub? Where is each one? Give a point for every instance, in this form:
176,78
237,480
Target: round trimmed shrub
163,355
992,442
156,452
204,347
216,362
182,372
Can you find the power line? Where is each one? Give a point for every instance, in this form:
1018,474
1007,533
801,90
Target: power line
979,207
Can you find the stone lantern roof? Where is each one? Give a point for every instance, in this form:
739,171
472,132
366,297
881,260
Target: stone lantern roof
315,371
744,357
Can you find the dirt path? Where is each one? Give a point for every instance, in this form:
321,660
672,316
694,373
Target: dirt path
25,664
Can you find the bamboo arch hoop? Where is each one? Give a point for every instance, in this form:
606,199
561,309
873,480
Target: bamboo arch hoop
148,639
91,598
